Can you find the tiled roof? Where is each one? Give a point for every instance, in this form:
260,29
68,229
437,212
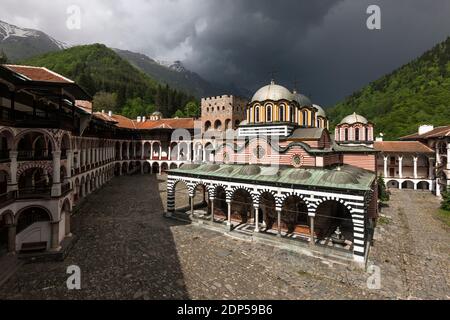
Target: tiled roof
443,131
180,123
124,122
38,73
307,134
402,146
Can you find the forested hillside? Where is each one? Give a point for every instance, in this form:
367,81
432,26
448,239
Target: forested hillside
417,93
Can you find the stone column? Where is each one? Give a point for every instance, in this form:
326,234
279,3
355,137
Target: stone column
142,150
55,236
400,166
56,187
311,222
430,168
279,221
212,208
229,213
151,151
67,230
69,163
12,239
191,198
415,167
160,153
128,151
438,157
256,215
204,154
385,158
13,165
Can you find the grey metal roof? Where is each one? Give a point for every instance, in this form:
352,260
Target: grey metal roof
354,118
320,111
306,133
344,177
302,99
272,92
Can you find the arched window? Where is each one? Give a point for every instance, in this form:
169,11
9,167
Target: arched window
256,114
318,123
356,134
282,113
367,134
305,118
346,134
269,113
291,114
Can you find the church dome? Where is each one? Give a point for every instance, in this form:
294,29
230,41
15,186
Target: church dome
320,111
354,118
302,100
272,92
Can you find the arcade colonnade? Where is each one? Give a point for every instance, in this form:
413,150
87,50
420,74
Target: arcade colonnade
315,202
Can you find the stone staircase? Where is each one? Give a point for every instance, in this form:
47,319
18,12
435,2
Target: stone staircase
9,264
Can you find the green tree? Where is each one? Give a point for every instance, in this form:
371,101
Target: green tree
192,109
445,204
105,101
137,107
3,57
383,194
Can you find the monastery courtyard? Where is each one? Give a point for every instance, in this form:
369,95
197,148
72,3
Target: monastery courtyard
128,250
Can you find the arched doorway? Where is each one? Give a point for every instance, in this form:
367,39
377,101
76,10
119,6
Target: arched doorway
268,212
164,167
408,185
155,168
146,168
329,216
220,204
241,206
294,216
423,185
33,229
393,184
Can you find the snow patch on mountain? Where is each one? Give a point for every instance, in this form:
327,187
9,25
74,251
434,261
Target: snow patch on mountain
10,31
173,65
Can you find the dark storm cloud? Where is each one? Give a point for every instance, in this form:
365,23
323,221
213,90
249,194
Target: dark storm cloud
323,45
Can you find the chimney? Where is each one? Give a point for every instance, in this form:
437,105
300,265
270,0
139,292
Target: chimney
103,111
139,119
379,138
425,128
110,113
144,119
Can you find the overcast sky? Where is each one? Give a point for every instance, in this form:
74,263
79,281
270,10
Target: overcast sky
323,45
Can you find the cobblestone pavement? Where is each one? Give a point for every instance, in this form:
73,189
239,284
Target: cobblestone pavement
128,250
412,247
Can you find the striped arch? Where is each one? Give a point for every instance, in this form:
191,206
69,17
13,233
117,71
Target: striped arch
280,200
252,193
195,185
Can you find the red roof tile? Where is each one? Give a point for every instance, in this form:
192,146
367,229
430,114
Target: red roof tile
443,131
124,122
38,73
402,146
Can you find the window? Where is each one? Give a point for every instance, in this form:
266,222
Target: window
367,134
346,134
282,113
356,134
305,118
291,114
269,113
257,114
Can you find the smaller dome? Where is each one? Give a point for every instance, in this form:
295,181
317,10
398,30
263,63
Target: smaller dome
189,166
302,100
300,174
210,167
272,92
250,170
320,111
354,118
340,177
157,113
